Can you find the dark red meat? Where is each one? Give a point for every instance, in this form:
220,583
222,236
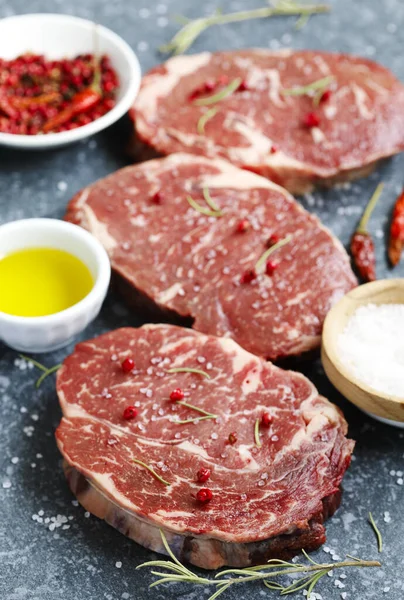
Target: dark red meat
359,120
190,265
267,500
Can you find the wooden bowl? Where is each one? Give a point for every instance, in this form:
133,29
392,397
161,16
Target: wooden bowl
384,407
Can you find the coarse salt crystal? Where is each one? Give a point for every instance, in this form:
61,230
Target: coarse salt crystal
118,564
371,349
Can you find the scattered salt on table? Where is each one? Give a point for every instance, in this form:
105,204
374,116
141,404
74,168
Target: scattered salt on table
372,349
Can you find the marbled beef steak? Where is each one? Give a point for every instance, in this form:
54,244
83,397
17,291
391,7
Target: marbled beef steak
190,265
359,120
270,495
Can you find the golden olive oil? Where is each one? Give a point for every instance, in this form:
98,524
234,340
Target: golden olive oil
42,281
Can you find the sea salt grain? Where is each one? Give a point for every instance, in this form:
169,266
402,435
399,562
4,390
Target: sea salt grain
371,349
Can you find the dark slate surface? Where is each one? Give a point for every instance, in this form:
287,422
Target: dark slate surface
90,560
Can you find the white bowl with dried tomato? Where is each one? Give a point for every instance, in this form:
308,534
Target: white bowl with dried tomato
60,37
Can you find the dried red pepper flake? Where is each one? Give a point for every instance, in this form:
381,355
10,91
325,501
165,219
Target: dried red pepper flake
232,439
243,87
272,240
311,120
157,198
266,420
128,365
274,149
204,495
203,475
210,85
177,395
326,96
270,267
248,276
243,226
129,413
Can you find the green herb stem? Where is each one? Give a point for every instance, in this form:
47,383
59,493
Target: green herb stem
263,258
363,223
187,35
151,470
257,433
205,118
377,532
202,209
45,370
315,86
188,370
209,200
221,95
197,409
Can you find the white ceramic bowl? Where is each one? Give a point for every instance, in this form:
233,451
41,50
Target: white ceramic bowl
58,36
44,334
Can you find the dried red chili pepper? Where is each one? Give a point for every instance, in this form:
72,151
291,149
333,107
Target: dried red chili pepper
362,246
81,102
396,241
20,102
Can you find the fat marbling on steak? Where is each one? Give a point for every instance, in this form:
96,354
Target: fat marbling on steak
189,265
270,495
359,120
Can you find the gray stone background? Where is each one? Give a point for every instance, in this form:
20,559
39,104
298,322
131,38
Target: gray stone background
82,558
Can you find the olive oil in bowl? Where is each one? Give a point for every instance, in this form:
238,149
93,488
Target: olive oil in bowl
35,282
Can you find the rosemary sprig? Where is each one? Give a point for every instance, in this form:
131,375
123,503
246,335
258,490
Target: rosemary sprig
316,86
263,258
188,370
197,409
151,470
203,120
45,370
186,421
221,95
257,433
313,572
377,532
363,223
187,35
205,211
209,200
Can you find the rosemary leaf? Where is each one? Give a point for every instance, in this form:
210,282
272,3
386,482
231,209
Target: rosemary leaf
186,421
188,370
313,562
152,471
363,223
207,116
263,258
209,200
187,35
199,410
377,532
45,370
315,86
221,95
257,433
205,211
220,590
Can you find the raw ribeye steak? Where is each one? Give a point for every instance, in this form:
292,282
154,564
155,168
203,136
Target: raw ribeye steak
237,462
197,266
269,124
